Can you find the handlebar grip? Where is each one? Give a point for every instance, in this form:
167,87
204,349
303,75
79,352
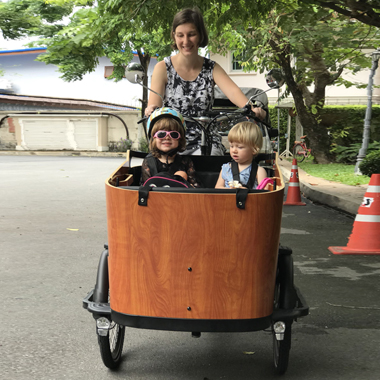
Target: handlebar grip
247,109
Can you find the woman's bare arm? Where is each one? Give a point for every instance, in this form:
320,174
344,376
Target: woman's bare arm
158,83
261,174
220,184
232,91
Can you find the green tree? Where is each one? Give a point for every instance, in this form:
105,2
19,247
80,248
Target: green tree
21,18
114,28
313,46
94,32
367,12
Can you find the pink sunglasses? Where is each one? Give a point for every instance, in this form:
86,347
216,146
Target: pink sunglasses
162,134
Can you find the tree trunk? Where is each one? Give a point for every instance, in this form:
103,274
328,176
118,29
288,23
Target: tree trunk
317,136
308,104
316,132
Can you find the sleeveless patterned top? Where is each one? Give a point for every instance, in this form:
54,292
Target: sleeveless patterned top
191,98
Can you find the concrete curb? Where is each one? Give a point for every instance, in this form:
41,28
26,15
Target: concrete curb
342,197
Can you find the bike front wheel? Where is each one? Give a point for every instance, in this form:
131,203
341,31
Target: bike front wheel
281,349
299,153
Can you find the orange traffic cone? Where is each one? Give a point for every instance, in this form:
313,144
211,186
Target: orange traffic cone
294,192
365,236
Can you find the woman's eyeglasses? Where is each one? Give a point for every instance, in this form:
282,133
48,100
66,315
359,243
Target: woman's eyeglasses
162,134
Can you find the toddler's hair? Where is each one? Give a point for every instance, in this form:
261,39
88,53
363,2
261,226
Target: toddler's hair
167,124
247,133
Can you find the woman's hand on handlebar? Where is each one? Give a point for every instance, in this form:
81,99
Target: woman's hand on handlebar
150,109
259,112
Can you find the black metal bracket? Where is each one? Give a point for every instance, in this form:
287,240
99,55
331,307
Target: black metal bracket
143,195
241,197
96,308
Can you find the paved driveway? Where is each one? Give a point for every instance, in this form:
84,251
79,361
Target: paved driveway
52,229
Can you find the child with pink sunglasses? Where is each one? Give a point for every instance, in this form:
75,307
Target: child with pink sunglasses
166,130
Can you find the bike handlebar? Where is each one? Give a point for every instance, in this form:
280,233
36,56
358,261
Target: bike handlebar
205,121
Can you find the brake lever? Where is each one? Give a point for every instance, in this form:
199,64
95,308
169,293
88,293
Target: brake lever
142,120
247,108
256,103
247,111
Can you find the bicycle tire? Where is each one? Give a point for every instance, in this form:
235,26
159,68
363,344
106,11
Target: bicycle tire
111,346
281,349
299,152
284,298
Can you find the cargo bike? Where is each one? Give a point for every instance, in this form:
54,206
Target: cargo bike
194,259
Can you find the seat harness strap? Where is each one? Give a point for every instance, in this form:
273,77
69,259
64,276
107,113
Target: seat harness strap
152,164
252,176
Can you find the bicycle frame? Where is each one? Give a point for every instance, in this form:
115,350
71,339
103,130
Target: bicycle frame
303,152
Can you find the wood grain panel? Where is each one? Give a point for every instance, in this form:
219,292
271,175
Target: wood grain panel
232,254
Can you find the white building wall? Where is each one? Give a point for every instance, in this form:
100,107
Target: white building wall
30,77
76,130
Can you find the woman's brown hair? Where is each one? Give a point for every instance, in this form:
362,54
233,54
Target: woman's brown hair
167,124
190,16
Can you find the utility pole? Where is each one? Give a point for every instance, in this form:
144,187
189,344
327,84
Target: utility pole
367,121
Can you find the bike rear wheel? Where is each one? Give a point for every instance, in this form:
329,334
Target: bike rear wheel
111,346
299,152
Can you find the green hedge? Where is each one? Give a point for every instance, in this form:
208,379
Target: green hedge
371,164
345,124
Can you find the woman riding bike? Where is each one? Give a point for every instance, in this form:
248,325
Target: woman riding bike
186,80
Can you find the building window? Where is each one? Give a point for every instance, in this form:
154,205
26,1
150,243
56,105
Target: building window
236,61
